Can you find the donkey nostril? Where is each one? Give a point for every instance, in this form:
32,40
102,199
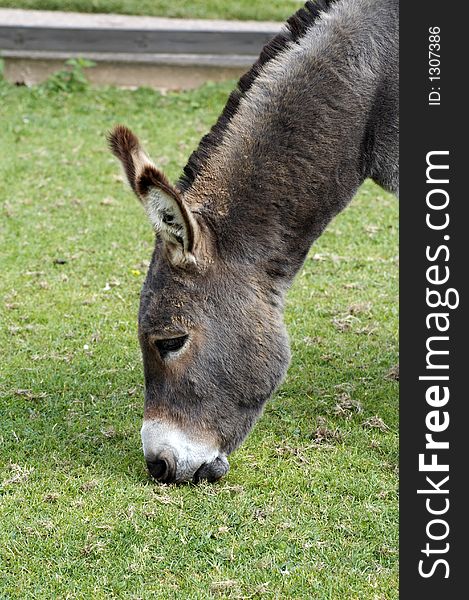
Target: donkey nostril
212,471
157,468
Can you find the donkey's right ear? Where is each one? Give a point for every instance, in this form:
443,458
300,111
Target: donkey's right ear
165,206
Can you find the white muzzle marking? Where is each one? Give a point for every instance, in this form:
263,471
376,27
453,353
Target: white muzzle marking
190,454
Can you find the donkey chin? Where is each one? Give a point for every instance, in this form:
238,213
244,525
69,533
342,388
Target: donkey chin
172,456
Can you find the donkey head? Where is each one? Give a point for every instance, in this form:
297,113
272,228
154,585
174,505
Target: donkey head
213,343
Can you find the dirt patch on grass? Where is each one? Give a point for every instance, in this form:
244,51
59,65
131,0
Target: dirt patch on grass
322,435
18,474
393,373
375,423
346,406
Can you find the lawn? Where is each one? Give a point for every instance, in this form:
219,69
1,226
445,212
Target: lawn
275,10
309,508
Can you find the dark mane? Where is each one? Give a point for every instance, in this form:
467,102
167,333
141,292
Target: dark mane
295,28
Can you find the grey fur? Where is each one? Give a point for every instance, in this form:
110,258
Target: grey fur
319,117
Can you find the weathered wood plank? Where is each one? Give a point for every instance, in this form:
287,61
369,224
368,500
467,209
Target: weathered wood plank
131,41
47,31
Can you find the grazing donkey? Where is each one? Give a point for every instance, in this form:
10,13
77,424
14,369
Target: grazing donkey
315,116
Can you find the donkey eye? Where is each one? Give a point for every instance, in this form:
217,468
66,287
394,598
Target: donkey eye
170,345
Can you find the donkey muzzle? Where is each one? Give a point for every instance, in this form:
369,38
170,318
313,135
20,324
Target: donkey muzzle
164,470
174,456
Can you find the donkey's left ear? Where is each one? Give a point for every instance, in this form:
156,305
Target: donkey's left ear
168,212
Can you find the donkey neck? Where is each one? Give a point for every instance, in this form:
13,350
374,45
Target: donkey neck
293,154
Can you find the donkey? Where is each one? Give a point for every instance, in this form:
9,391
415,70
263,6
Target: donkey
314,117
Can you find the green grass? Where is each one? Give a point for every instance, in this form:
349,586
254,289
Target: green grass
274,10
309,507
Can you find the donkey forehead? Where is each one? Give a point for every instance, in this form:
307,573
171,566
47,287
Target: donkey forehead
172,285
172,301
188,295
169,311
168,316
166,283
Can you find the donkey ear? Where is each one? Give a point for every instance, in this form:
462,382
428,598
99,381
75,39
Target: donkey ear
164,204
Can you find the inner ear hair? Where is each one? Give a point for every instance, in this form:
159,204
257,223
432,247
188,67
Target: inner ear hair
166,207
